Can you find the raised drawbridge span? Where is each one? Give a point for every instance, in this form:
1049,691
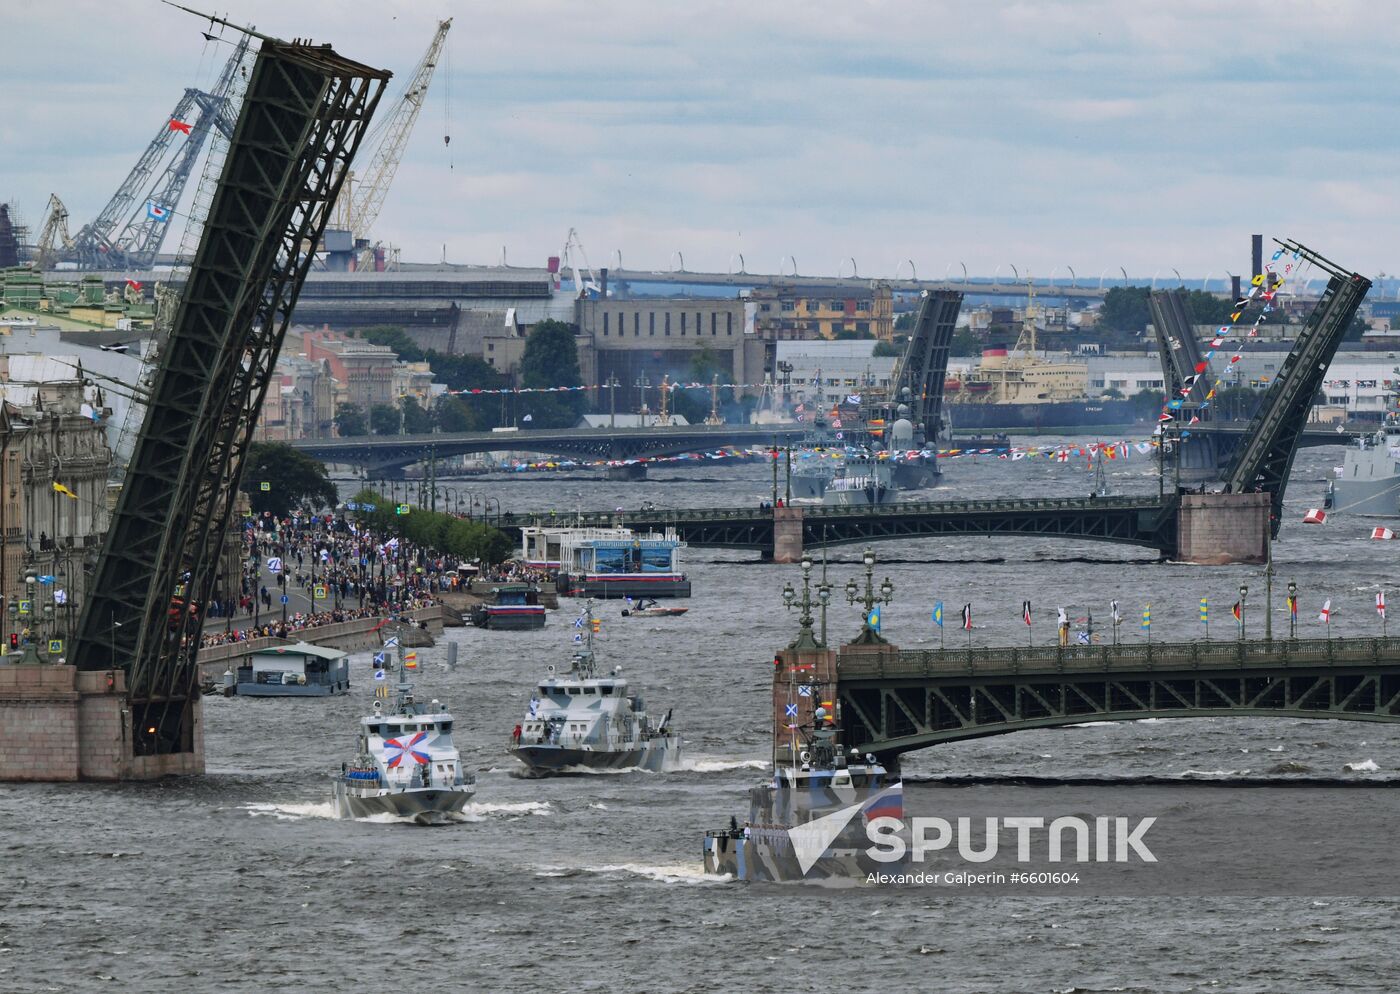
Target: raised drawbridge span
302,118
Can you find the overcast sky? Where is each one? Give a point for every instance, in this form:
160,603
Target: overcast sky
1040,134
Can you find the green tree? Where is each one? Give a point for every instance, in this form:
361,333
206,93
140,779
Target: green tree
965,342
442,532
551,360
395,338
416,420
1112,393
453,414
294,480
905,322
384,419
1125,309
350,420
463,372
888,350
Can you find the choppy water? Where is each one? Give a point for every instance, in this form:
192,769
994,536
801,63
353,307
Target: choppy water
240,881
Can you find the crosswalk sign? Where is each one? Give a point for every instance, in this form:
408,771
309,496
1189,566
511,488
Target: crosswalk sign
319,592
25,607
264,486
55,645
401,509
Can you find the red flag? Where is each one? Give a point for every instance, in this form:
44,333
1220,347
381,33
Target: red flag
179,126
1236,610
1380,604
133,284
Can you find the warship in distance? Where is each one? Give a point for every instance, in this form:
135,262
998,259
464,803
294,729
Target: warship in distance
809,821
406,764
585,720
1369,483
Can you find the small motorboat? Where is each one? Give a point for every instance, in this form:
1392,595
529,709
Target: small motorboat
648,608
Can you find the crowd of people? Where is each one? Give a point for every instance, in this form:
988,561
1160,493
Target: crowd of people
344,570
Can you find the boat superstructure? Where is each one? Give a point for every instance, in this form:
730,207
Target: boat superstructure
586,719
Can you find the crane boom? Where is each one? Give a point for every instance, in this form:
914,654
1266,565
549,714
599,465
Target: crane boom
367,196
54,239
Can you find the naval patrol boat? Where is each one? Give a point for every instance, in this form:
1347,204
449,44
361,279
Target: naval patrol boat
583,719
406,764
810,820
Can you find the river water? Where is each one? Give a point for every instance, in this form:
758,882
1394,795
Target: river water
242,881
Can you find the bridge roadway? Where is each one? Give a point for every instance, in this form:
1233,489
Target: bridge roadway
896,701
384,453
1140,520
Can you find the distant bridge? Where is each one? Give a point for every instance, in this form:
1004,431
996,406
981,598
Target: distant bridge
897,701
783,533
386,453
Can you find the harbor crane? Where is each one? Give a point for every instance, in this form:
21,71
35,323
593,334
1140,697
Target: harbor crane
54,239
128,232
572,252
347,243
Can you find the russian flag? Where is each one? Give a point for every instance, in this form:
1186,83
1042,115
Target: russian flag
889,803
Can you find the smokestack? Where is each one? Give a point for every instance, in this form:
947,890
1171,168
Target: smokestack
1256,246
603,276
1234,288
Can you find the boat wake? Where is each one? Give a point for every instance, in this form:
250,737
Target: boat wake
715,764
675,873
475,812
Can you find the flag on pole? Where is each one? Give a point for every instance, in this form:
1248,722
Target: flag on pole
156,212
938,613
1236,610
967,617
1113,608
1380,604
1325,615
874,618
1026,612
1205,611
1292,607
180,126
1147,618
61,489
1061,618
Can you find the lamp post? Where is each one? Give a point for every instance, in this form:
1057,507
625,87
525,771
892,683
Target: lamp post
805,637
1244,593
869,599
1292,610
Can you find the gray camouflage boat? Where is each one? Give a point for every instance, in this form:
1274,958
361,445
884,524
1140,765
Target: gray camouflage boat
584,720
1369,483
406,765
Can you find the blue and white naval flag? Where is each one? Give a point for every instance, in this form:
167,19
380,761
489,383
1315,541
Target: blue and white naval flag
380,675
578,639
792,710
379,658
804,691
578,622
534,706
392,642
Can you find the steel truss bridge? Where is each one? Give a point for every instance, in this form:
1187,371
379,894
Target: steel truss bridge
1149,522
383,455
301,121
898,701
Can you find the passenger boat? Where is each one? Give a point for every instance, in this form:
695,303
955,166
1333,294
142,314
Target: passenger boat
608,563
406,764
586,720
296,670
513,607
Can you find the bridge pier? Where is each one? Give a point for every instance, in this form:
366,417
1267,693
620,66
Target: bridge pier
61,724
1216,529
787,534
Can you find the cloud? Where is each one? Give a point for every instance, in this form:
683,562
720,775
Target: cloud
1044,134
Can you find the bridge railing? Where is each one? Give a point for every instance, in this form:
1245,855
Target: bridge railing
1133,658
